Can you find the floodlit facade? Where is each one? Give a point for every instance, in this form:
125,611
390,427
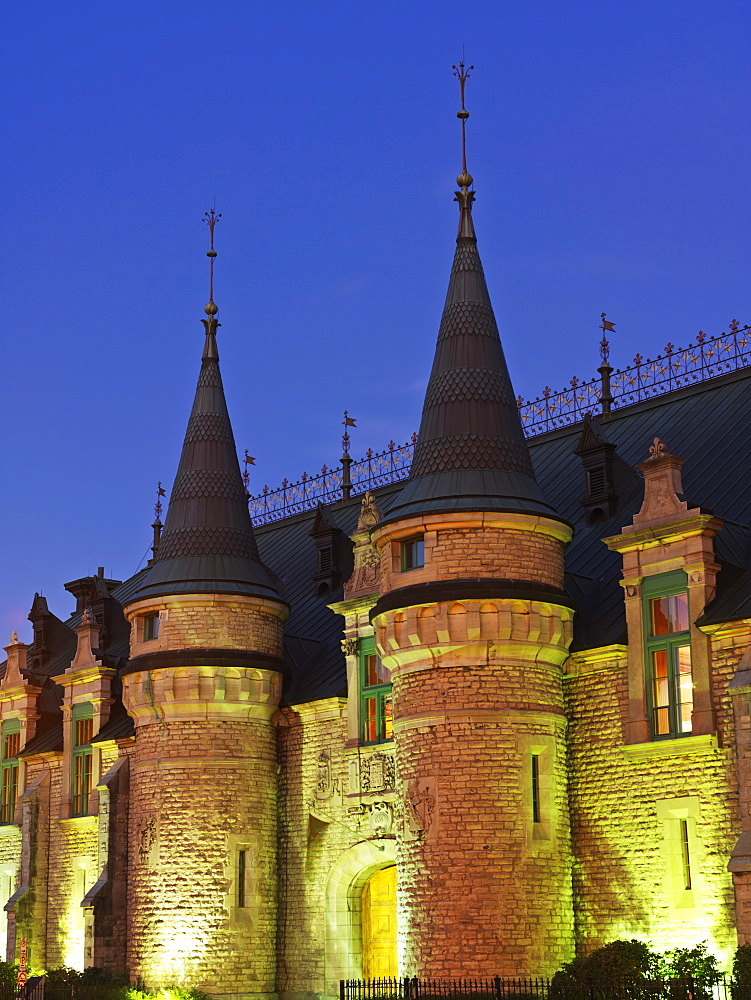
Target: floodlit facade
465,721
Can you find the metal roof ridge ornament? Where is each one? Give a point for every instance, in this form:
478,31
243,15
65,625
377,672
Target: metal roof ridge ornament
464,196
210,325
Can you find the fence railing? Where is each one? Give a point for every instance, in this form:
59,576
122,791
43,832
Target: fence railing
540,988
708,358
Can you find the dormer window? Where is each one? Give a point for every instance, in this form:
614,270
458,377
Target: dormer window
412,553
83,731
150,627
668,651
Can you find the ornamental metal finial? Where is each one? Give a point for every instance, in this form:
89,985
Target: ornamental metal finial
464,179
158,505
211,218
249,460
606,326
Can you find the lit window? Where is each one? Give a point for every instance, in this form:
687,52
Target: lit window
375,697
412,552
668,652
83,730
11,744
150,627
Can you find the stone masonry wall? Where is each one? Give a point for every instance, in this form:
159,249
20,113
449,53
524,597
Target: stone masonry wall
473,552
201,791
478,894
624,808
326,855
208,622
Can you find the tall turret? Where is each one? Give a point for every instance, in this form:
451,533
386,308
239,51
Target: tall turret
474,623
202,685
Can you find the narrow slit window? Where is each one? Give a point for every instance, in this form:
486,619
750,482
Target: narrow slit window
685,854
535,788
241,862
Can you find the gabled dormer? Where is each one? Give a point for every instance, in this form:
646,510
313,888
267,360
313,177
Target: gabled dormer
333,552
51,636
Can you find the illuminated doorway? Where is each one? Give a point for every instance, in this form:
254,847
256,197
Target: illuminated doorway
379,925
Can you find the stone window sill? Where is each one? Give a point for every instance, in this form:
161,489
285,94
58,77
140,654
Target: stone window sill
671,748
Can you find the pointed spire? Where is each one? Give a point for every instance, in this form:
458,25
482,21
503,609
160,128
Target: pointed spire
471,453
207,544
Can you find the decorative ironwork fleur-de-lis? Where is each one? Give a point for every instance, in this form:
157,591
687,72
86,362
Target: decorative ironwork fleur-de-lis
700,337
734,326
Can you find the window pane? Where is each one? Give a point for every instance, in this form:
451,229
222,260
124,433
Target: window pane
412,553
685,686
370,731
660,620
669,614
387,725
371,670
660,692
678,605
81,782
84,731
11,745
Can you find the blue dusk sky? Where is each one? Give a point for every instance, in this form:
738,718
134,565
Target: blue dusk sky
609,143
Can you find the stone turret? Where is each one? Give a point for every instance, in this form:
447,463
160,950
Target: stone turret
474,624
202,685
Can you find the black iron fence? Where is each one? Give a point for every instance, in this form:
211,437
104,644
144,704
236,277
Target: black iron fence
539,988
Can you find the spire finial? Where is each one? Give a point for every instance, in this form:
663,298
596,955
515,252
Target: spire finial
249,460
209,351
157,525
465,197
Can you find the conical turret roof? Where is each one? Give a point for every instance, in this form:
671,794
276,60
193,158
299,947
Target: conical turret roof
208,545
471,453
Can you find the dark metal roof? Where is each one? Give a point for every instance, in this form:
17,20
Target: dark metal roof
706,424
471,453
208,545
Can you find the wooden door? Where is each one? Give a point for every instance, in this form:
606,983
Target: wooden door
379,925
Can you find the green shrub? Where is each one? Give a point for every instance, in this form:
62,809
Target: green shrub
742,965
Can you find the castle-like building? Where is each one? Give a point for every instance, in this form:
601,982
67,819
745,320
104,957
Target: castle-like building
466,723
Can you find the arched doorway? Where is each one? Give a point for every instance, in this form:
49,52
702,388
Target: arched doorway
346,880
379,925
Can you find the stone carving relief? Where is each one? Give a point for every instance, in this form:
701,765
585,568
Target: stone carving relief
324,782
380,819
349,647
148,840
377,773
419,809
365,577
370,513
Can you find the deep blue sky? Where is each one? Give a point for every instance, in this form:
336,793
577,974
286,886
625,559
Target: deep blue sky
610,148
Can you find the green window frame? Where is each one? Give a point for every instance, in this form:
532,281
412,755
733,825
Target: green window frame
10,736
667,646
375,697
81,771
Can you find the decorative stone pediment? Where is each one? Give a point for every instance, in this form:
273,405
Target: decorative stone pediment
663,488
